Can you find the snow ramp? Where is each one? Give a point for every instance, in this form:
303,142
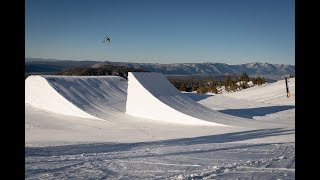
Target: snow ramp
151,95
80,96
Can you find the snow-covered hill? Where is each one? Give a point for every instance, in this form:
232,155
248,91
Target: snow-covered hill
121,146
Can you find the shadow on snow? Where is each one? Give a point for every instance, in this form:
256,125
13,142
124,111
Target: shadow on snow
117,147
197,97
244,113
259,111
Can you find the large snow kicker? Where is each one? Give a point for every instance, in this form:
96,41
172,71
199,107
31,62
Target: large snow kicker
145,95
79,96
151,95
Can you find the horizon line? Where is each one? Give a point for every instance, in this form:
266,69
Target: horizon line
156,62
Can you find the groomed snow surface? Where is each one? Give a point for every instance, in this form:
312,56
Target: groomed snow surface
105,127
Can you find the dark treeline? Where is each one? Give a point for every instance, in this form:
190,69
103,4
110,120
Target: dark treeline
106,70
204,85
200,84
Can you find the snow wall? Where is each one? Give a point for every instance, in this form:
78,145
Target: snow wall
151,95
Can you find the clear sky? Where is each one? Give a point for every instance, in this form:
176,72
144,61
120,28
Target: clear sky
162,31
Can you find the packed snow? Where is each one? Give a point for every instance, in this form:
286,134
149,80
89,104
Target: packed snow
273,93
77,127
162,101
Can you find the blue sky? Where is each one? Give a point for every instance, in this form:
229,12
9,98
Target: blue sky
162,31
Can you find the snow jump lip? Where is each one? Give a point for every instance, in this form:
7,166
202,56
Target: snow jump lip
39,93
151,95
92,97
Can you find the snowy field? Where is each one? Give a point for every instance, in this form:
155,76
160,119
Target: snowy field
78,128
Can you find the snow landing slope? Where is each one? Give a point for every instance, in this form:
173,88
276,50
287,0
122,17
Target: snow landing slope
80,96
151,95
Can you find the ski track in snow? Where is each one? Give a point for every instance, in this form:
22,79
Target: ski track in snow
120,146
156,160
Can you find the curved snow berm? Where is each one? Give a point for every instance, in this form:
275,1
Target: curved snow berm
151,95
80,96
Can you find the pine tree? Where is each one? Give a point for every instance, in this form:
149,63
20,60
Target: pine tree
183,87
235,81
202,90
194,87
244,77
212,88
227,84
236,78
258,81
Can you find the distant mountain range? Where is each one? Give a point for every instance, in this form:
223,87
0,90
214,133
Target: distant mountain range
273,71
105,70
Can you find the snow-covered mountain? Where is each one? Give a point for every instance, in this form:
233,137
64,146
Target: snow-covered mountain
167,69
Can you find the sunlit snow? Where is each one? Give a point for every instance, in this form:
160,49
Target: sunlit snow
104,127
